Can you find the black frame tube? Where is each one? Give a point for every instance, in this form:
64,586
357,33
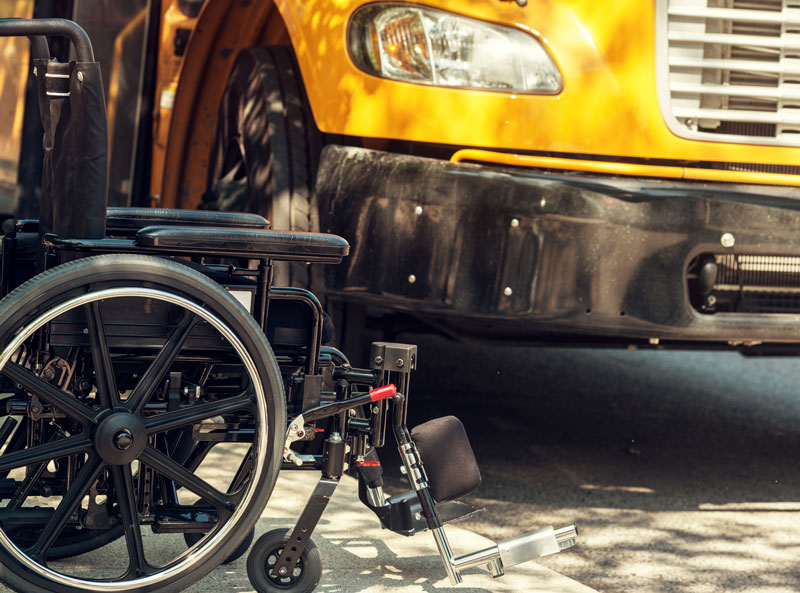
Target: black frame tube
36,28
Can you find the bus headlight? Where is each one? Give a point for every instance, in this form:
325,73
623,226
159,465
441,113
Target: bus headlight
428,46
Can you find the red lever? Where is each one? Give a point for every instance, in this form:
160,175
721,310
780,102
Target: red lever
367,463
384,392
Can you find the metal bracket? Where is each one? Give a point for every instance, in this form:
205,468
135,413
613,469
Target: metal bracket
392,357
295,432
301,534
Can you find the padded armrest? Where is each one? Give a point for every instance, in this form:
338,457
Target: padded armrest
280,245
134,219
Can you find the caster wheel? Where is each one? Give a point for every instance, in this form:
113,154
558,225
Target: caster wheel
264,556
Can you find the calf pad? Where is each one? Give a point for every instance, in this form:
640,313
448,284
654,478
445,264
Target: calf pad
449,461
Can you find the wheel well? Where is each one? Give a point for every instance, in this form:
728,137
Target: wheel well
223,29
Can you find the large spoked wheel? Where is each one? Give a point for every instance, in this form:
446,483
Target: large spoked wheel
192,538
264,556
266,150
71,542
133,387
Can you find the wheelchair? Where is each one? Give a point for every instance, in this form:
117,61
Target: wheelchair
151,391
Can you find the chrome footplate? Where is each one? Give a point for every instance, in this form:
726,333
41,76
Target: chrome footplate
536,544
508,552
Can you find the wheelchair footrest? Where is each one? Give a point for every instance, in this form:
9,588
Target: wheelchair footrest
507,553
403,513
536,544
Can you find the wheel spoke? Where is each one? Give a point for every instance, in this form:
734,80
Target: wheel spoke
78,489
156,371
107,393
25,489
190,415
243,473
50,393
129,515
166,466
46,452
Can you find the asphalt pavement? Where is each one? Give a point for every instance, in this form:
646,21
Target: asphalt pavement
357,555
680,469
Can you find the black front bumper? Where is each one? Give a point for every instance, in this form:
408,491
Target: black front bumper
531,257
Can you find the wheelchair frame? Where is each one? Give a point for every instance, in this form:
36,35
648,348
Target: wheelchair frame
209,375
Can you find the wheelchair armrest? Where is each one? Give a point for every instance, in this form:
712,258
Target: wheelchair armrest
278,245
23,225
131,220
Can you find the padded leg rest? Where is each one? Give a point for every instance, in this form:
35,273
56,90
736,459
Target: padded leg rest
448,458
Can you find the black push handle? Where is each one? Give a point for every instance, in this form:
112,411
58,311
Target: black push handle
36,29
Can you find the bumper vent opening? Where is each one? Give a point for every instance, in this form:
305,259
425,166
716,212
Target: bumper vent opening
738,283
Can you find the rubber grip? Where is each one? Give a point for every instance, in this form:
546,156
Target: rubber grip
384,392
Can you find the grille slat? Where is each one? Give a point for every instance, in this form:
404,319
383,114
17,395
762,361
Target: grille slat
759,41
731,71
739,91
790,66
788,16
742,115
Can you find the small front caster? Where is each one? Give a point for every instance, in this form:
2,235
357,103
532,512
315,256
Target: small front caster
265,554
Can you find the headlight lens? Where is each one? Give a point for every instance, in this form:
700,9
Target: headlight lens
429,46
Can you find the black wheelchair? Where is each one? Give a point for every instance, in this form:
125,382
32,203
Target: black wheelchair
147,382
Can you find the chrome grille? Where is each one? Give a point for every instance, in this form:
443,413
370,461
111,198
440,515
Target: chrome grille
729,70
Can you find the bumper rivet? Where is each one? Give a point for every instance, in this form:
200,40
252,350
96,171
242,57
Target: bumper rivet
507,291
727,240
412,279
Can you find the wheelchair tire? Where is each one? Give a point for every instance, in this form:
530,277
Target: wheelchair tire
265,153
73,542
265,554
192,538
122,423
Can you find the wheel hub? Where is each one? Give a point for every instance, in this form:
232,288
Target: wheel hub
120,438
123,440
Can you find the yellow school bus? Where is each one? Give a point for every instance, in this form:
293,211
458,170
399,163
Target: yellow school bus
525,171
